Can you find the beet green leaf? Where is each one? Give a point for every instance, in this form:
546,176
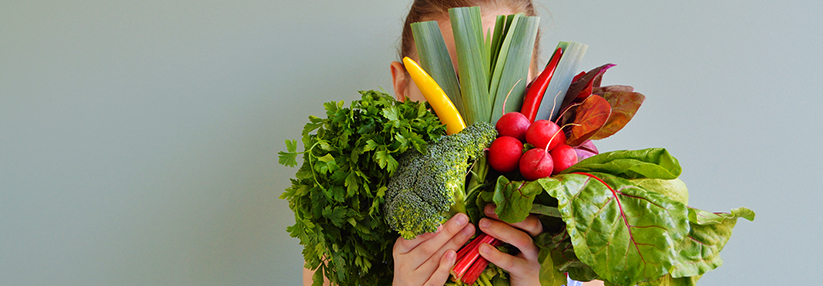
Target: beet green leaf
654,163
700,252
625,233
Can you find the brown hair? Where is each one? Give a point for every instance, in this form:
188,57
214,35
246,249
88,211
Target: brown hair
422,10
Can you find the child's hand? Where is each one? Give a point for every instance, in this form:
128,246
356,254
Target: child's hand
524,268
427,259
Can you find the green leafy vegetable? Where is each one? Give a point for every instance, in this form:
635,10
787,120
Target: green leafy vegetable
338,190
674,189
557,256
668,280
514,199
289,158
632,164
549,274
707,237
614,224
623,219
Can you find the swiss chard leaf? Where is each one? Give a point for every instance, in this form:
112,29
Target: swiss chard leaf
625,233
708,235
624,221
514,198
550,274
674,189
668,280
632,164
557,248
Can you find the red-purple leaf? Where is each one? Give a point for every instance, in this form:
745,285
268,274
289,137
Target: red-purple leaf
586,150
612,88
624,106
589,118
582,86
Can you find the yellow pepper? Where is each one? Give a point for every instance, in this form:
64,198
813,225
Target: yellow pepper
436,97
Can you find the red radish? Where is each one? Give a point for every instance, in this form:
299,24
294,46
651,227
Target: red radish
504,153
513,124
535,164
542,131
563,157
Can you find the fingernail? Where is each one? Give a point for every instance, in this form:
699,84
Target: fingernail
484,248
489,209
484,223
468,231
461,219
450,255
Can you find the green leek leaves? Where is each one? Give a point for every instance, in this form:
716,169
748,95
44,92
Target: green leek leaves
491,64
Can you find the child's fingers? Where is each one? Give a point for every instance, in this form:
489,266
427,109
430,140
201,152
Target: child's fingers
403,246
512,264
530,225
441,275
453,244
448,230
416,252
510,235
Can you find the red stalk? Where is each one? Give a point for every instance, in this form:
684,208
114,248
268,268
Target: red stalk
475,270
472,244
478,266
531,102
470,257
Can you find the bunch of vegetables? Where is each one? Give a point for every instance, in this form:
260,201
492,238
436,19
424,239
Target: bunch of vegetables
385,168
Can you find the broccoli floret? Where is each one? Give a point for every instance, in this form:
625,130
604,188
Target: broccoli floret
428,188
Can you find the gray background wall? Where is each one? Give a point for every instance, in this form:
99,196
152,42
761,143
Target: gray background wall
139,139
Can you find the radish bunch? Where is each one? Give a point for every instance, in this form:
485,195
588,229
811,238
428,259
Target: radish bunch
550,155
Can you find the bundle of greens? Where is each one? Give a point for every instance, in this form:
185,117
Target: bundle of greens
382,169
621,217
338,191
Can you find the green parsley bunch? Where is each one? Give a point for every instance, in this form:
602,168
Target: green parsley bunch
337,193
